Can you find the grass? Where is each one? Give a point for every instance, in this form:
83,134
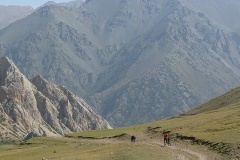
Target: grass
217,125
76,149
231,97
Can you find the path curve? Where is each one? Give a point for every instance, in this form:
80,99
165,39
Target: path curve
180,156
199,155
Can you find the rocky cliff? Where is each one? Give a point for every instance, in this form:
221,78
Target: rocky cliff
40,106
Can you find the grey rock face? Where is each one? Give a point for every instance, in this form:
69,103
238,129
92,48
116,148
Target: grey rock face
134,61
41,107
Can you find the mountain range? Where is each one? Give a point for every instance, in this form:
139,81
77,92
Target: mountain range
41,108
134,61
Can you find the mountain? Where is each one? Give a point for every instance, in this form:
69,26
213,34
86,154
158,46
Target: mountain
11,14
40,107
134,61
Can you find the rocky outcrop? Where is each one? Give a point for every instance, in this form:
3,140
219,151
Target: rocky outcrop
40,107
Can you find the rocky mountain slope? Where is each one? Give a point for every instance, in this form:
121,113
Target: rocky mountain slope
40,107
135,61
10,14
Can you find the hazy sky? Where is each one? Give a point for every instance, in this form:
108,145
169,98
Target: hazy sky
33,3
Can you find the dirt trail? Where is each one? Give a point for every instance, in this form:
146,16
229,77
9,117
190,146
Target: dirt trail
200,156
184,151
177,151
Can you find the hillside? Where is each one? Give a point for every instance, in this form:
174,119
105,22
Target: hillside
229,98
133,61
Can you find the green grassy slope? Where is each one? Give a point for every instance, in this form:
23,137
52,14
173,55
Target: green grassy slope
226,99
218,129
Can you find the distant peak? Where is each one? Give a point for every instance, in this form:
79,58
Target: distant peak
6,61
